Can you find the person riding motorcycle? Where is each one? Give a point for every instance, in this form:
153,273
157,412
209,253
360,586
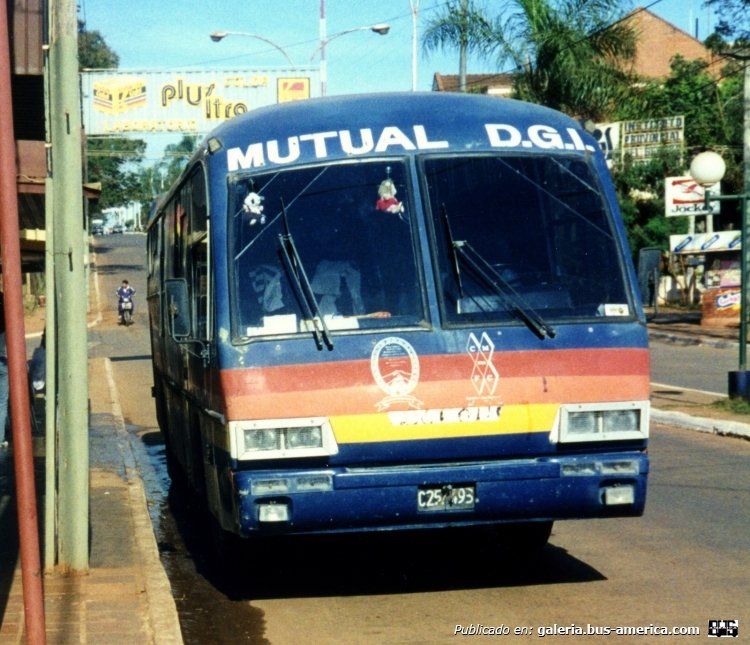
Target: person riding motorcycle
125,302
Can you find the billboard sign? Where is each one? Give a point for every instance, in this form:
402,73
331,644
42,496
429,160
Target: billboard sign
643,138
685,196
697,243
608,137
118,103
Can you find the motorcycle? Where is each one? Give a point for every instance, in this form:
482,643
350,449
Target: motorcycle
126,310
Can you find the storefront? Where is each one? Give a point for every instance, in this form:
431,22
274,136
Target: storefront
715,259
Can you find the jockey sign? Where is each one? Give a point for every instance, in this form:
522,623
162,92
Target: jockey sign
685,196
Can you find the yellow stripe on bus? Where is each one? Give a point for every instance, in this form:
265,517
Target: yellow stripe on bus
441,424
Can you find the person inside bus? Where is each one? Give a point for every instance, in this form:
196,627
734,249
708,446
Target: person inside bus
338,287
268,293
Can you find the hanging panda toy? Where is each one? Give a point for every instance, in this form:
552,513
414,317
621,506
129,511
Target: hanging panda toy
253,205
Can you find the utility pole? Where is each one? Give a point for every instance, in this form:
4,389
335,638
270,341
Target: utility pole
323,61
414,4
70,288
463,45
746,135
23,459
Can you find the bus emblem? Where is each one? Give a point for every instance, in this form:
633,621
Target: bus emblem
395,367
484,376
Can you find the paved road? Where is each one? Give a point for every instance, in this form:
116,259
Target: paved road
700,367
687,561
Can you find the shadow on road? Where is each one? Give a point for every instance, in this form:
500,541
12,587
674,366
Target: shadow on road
363,564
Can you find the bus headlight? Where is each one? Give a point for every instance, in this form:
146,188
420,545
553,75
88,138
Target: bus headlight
282,438
581,423
621,421
308,437
603,421
261,439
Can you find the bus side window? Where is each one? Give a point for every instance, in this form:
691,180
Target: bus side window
194,237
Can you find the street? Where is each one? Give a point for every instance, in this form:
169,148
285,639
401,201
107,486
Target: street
699,367
684,563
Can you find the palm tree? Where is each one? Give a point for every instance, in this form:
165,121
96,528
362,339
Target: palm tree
567,54
462,26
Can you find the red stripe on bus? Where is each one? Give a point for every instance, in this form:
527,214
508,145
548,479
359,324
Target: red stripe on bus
349,387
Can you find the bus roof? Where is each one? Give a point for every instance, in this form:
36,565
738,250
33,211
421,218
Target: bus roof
340,127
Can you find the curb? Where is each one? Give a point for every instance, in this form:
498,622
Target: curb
685,339
163,618
701,424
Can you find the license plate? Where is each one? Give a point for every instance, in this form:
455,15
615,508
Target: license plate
450,497
127,305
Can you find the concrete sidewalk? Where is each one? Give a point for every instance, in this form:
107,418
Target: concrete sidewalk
125,598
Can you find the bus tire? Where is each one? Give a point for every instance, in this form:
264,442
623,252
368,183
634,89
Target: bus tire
174,470
227,548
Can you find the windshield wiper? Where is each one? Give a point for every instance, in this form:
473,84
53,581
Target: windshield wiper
302,285
513,300
456,265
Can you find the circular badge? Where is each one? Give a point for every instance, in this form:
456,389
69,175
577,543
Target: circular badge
395,367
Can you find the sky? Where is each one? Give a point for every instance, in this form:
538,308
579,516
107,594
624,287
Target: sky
174,35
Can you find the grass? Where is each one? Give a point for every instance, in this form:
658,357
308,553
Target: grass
734,405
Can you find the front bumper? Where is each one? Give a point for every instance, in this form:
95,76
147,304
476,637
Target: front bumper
330,500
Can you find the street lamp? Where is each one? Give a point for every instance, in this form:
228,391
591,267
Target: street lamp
220,35
708,168
414,4
381,29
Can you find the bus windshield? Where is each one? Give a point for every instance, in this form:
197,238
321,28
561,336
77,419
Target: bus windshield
330,242
524,237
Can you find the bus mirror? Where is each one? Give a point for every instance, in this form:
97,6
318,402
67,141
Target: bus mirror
178,308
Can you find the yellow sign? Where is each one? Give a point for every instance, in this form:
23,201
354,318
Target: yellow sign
117,95
184,100
292,89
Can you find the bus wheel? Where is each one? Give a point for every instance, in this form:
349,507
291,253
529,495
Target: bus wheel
174,470
227,548
525,537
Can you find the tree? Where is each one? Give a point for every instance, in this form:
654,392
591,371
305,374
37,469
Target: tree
462,26
640,191
178,154
112,162
93,52
735,18
159,177
568,54
689,90
108,160
712,108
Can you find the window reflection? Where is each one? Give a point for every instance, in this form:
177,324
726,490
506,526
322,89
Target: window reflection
528,234
350,225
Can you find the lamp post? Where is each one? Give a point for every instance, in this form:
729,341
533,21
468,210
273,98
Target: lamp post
414,4
381,29
708,168
220,35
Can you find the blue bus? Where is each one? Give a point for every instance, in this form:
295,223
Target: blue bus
399,311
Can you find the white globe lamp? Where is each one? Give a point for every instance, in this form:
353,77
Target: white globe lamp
708,168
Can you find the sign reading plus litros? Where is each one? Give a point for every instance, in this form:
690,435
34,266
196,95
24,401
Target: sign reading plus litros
188,101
